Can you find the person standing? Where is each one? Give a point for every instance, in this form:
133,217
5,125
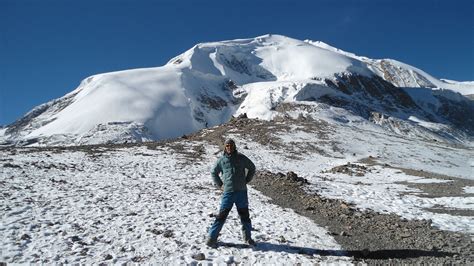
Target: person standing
230,172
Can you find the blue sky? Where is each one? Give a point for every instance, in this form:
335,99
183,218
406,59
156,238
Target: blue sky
47,47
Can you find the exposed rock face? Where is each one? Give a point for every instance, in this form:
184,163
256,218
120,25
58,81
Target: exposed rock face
371,91
374,87
382,103
244,63
460,114
403,78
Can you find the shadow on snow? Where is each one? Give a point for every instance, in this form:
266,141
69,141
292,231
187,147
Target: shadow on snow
362,254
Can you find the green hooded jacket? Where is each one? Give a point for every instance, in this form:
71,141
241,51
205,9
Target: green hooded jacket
232,169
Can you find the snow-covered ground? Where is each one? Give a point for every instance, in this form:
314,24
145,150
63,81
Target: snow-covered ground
136,205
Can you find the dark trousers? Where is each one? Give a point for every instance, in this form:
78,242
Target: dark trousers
240,199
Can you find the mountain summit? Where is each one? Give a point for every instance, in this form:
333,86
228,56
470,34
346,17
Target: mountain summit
211,82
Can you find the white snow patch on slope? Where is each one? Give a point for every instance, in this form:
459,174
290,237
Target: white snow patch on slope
460,87
263,97
428,181
134,95
469,190
291,59
425,123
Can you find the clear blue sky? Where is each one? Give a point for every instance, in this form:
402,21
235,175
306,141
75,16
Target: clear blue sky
47,47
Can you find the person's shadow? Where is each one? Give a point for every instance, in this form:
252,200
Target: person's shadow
357,254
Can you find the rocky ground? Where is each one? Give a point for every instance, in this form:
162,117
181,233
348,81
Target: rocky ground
368,236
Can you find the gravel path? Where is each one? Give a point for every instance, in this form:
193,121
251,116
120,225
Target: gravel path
368,236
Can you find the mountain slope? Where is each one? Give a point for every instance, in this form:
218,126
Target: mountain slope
211,82
404,75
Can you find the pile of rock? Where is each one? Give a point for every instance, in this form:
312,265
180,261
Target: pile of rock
349,169
290,176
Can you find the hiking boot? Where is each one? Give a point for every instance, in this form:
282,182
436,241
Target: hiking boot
250,242
247,239
211,242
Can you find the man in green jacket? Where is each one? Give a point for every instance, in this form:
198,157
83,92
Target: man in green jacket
230,172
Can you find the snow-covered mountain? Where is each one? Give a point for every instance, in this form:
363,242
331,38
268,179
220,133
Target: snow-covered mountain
211,82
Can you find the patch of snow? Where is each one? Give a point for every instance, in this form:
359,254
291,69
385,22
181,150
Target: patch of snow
426,124
468,190
429,181
291,59
464,88
262,97
453,202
